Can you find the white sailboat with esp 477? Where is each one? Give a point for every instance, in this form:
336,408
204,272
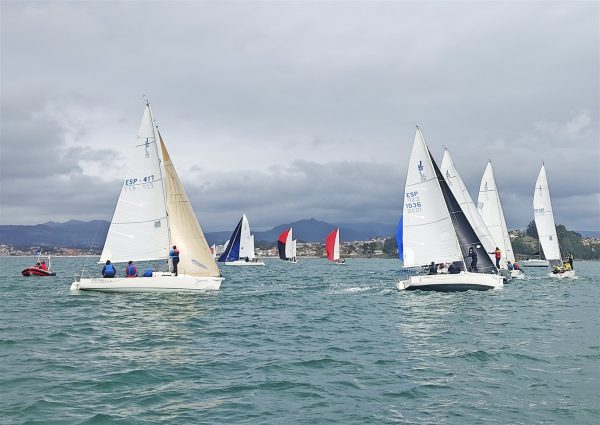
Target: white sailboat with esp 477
152,214
436,231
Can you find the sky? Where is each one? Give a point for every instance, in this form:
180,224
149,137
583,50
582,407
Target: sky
295,110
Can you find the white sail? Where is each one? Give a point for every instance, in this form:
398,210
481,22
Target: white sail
289,249
196,258
336,246
490,209
428,233
139,230
460,192
294,254
246,240
544,219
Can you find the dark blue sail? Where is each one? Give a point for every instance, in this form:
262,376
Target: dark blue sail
232,252
399,239
467,238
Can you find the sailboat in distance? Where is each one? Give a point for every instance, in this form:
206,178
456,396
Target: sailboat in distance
490,209
332,247
287,246
435,231
152,214
544,222
240,249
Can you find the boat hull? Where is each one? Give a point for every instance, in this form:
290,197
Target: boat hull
535,263
569,274
34,271
517,274
244,263
463,281
156,283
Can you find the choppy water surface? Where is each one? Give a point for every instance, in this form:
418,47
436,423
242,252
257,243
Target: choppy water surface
305,343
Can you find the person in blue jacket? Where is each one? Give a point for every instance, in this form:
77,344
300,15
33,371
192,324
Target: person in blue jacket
108,270
174,254
131,270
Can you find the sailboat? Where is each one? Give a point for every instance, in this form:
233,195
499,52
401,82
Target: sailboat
152,214
490,210
544,221
332,247
460,192
436,230
240,249
213,250
287,246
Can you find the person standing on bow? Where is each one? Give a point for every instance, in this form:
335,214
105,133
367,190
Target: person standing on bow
498,254
174,254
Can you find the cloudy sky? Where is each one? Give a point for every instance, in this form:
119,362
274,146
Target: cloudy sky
295,110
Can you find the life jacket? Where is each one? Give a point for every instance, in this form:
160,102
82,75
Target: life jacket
148,273
175,253
109,269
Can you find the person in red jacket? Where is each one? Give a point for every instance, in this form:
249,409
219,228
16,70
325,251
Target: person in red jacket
498,255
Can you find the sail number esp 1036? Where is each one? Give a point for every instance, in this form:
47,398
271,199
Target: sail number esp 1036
413,203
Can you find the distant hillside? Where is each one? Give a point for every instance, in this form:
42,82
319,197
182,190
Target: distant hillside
310,230
72,234
79,234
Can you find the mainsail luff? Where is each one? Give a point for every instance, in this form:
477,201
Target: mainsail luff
490,209
139,227
544,218
186,233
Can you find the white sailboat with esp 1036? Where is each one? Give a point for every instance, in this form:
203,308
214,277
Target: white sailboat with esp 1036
544,222
152,214
490,210
240,249
436,231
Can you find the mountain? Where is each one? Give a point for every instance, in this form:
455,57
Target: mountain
310,230
72,234
81,234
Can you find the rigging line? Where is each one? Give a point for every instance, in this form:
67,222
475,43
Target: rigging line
90,248
139,222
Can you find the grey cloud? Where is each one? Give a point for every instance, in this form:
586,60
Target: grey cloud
264,104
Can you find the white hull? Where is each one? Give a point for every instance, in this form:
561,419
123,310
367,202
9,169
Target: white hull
535,263
244,263
462,281
517,274
158,283
569,274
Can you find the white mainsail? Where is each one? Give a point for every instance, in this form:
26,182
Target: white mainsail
246,240
544,219
428,233
139,229
460,192
289,245
490,209
293,249
196,259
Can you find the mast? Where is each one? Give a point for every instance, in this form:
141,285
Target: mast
160,169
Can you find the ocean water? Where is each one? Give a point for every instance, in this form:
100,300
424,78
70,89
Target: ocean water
300,344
